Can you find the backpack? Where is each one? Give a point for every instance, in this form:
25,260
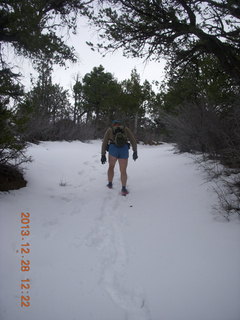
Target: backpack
119,136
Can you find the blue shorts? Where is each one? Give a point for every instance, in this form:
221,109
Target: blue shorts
119,152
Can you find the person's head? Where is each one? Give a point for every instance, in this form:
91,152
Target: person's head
116,123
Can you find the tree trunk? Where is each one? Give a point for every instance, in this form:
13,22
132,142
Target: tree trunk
136,123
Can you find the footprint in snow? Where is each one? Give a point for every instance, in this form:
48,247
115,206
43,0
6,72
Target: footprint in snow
65,199
108,238
50,223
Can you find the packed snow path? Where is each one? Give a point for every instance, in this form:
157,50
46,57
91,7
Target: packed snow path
161,253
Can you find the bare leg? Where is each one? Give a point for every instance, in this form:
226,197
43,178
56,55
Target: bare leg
111,161
123,169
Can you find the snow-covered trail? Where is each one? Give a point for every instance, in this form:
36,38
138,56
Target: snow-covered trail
158,253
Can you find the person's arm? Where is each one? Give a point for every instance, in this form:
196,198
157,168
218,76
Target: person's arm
131,139
105,141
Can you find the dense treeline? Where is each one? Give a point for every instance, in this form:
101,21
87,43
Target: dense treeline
48,112
200,108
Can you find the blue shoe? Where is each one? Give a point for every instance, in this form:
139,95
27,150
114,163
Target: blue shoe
110,185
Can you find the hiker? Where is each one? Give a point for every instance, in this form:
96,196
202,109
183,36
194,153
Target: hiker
115,141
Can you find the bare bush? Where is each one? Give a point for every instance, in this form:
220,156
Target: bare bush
195,127
215,134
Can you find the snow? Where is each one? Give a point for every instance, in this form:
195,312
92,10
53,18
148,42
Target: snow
160,253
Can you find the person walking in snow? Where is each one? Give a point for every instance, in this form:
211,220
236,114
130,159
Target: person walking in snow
116,142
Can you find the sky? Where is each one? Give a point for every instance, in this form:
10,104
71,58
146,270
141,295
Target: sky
114,63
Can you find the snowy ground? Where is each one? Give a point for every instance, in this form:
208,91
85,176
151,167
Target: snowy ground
160,253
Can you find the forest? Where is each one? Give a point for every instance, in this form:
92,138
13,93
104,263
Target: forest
197,107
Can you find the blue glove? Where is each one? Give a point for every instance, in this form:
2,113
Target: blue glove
103,159
135,156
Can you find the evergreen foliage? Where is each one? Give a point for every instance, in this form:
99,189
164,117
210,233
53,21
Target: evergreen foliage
100,92
29,27
178,30
43,108
200,108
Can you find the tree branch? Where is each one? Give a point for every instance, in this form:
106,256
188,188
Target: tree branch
190,13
